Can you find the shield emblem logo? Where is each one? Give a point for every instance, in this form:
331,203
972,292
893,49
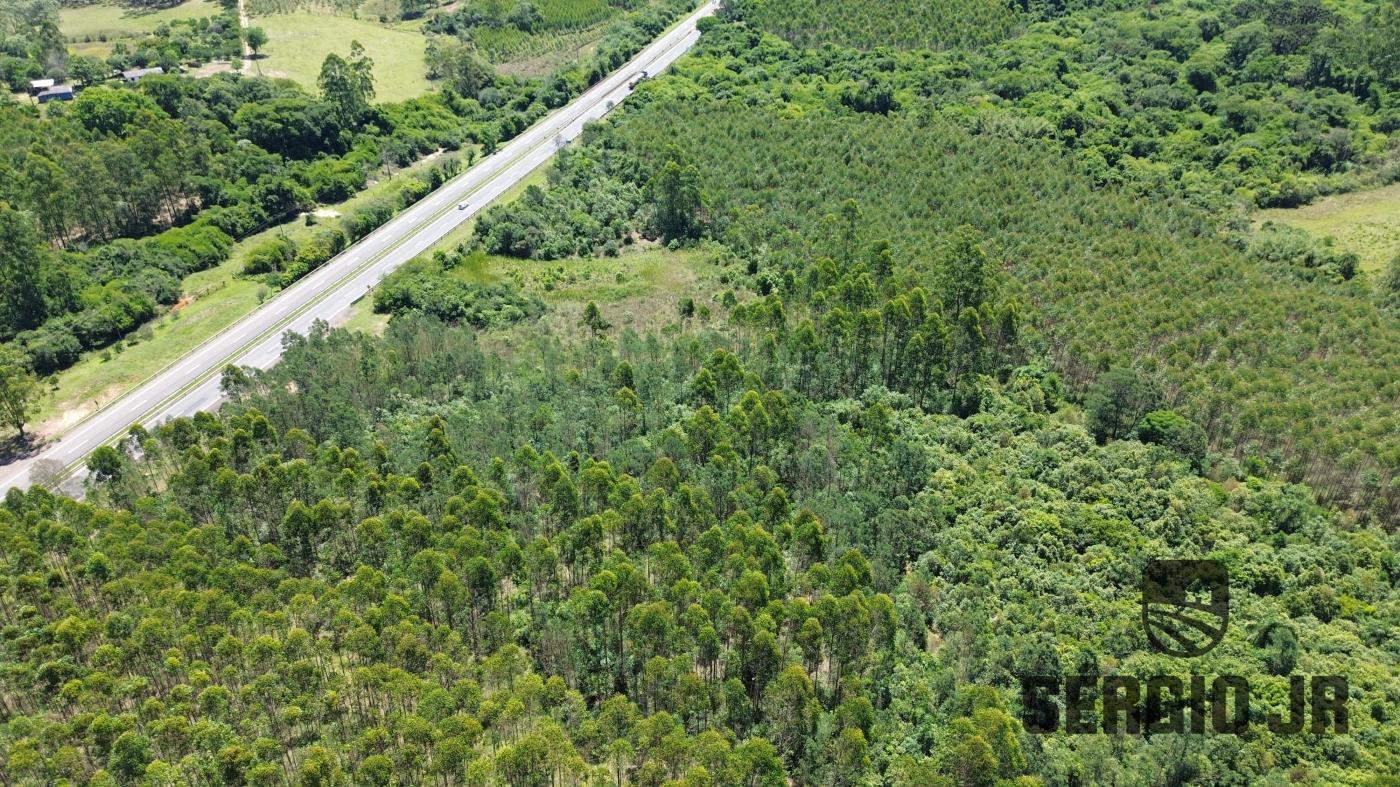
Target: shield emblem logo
1185,605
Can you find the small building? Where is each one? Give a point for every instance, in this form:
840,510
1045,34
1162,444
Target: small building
56,93
37,86
134,75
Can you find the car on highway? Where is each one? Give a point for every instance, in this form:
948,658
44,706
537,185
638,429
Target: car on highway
461,206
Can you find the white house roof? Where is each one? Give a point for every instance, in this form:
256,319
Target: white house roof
137,73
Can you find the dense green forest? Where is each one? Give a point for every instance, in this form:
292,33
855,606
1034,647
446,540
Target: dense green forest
969,367
1254,338
900,23
1270,103
405,560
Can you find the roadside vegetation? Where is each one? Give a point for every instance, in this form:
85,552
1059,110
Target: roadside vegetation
99,256
210,301
99,183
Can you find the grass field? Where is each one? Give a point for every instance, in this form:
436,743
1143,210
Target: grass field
1364,222
641,289
111,22
213,300
98,49
298,43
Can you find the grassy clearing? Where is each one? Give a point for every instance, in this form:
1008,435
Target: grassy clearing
213,300
98,49
109,22
603,280
361,317
641,289
298,43
1364,222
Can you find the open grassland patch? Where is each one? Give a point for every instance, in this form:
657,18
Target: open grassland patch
641,289
98,49
1366,223
105,22
298,44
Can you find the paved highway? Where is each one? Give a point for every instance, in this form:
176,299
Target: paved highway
191,383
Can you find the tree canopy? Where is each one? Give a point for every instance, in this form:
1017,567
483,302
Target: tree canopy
980,337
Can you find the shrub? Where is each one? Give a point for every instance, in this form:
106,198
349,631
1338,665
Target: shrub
270,255
1176,432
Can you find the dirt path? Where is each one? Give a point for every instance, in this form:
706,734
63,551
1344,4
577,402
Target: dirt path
243,25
